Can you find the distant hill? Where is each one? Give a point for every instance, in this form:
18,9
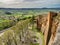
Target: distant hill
27,8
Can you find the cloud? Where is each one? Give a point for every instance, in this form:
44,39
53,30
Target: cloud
11,1
30,0
29,3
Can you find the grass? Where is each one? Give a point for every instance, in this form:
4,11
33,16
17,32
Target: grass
19,26
38,34
42,37
34,44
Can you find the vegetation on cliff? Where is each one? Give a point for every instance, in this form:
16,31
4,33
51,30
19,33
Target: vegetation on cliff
21,34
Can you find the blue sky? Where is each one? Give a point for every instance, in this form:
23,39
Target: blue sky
29,3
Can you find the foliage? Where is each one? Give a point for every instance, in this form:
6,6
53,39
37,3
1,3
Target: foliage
6,23
19,34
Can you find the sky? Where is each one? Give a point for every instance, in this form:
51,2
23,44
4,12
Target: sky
29,3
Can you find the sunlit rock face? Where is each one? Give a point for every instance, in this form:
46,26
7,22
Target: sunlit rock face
57,38
49,24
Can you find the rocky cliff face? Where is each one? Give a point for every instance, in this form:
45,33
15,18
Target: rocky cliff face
48,26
